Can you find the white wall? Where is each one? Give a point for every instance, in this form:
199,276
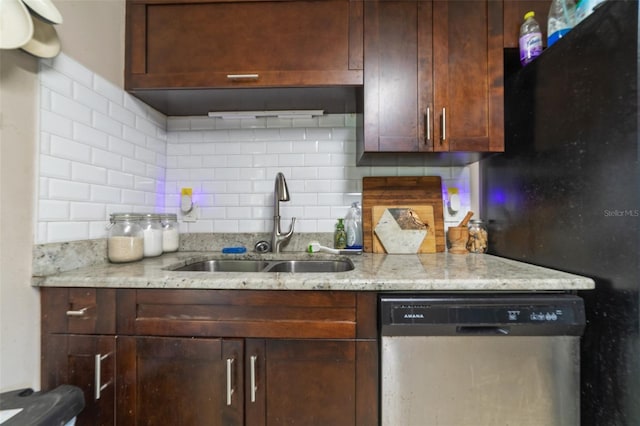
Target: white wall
19,307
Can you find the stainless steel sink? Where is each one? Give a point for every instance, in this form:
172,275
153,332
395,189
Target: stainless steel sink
310,266
226,265
251,265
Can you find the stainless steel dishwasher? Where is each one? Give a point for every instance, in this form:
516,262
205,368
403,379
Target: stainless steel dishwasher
474,360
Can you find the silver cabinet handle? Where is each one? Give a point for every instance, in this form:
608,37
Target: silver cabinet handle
78,313
428,124
243,76
230,389
254,388
444,124
99,387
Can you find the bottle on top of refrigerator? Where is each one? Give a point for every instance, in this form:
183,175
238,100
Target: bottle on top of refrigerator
530,39
585,8
561,20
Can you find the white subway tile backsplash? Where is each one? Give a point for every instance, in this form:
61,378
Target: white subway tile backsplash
106,124
66,231
133,166
106,159
88,173
133,197
69,149
108,90
56,124
55,81
119,179
69,108
87,97
90,136
87,211
133,135
67,190
51,210
102,150
99,154
55,167
121,114
105,194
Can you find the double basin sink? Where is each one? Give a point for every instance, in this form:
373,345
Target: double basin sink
259,265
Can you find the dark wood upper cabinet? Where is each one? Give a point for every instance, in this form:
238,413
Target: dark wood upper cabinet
199,44
433,77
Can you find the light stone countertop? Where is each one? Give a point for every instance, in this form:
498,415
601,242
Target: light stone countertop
372,272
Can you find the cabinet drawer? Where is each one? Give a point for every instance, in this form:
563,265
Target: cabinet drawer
78,310
221,313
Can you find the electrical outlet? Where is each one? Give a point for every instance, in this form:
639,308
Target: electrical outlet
192,215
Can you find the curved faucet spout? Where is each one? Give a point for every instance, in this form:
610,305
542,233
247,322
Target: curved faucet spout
280,193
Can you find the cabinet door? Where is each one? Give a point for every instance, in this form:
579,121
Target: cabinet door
180,381
398,83
468,75
222,44
302,382
87,362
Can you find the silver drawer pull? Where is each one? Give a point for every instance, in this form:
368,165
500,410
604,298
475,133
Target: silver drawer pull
99,387
230,389
254,388
428,124
243,76
444,124
79,313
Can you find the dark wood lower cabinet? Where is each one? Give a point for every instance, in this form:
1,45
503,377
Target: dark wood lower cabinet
218,380
179,381
89,363
306,382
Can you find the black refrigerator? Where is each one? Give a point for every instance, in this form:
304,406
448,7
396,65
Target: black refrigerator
566,192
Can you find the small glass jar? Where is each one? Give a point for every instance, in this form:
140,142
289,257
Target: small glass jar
125,240
478,237
152,230
170,232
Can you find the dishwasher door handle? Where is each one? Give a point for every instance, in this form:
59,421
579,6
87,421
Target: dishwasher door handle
483,330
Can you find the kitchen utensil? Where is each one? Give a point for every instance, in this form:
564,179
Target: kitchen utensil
466,219
402,191
403,229
16,26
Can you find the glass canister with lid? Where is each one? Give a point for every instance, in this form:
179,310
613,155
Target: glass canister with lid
478,237
125,240
170,232
152,230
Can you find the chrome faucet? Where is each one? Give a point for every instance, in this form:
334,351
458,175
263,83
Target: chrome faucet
280,193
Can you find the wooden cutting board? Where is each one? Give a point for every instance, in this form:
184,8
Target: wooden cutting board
402,191
400,236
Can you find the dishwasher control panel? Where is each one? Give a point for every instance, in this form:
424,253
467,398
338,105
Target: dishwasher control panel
478,314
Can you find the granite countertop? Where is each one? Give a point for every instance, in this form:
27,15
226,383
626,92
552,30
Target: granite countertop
372,272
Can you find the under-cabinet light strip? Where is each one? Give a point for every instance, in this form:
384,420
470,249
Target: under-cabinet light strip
239,115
